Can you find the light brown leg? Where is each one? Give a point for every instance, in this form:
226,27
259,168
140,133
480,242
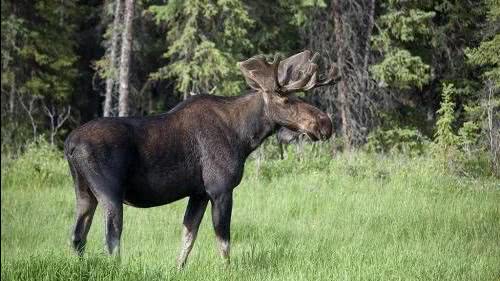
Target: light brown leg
192,219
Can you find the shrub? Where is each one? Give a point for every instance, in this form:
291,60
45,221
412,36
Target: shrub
40,166
399,140
445,139
458,153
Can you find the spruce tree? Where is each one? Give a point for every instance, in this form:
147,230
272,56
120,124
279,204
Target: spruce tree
205,41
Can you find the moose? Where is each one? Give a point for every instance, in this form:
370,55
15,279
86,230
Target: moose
197,150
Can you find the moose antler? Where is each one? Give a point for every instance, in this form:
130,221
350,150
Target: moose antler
296,73
300,73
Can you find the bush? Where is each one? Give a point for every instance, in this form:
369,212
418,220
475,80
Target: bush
459,153
309,160
399,140
40,166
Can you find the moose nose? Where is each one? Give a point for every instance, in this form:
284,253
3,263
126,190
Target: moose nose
325,126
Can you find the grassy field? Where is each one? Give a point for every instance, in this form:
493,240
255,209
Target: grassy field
357,217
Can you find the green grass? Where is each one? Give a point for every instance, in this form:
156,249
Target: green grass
358,217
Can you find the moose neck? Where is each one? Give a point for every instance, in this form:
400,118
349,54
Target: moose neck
252,123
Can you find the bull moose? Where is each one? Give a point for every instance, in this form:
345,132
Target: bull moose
196,150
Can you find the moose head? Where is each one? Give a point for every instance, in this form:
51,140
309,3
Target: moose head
279,80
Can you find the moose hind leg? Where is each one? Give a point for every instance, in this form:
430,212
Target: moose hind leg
108,191
221,217
192,219
86,204
113,216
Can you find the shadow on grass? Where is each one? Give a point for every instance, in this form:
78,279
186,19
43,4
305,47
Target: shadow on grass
82,269
264,247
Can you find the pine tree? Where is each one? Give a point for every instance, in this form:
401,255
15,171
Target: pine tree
38,60
398,28
487,56
488,52
445,137
206,39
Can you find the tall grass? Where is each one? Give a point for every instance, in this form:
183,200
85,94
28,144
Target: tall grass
351,217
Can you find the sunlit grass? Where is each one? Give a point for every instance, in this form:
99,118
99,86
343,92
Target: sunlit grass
357,217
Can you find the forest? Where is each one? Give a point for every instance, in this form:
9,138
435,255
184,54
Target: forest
407,188
411,71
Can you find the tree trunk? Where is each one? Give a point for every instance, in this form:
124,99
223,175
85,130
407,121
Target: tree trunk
353,25
341,86
110,80
369,29
12,97
123,106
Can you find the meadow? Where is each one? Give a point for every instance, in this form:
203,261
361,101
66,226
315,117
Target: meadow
351,217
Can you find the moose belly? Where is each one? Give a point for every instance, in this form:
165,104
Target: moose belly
152,198
145,192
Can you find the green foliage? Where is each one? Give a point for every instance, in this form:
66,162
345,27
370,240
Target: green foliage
48,51
445,138
13,34
488,55
488,52
273,168
493,10
38,64
103,66
401,70
468,135
399,140
459,153
300,9
399,26
41,166
14,137
206,39
484,111
406,25
416,45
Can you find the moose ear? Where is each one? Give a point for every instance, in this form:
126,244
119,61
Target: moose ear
259,74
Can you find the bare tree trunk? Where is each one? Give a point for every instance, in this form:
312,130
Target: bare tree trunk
493,127
12,96
370,18
123,106
110,80
30,110
345,114
342,87
353,25
319,33
57,119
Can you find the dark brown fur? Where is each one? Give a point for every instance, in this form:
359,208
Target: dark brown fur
197,150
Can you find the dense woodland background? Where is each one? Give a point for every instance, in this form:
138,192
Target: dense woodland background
407,189
416,76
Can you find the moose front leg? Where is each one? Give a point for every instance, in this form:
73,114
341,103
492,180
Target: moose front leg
222,205
192,219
